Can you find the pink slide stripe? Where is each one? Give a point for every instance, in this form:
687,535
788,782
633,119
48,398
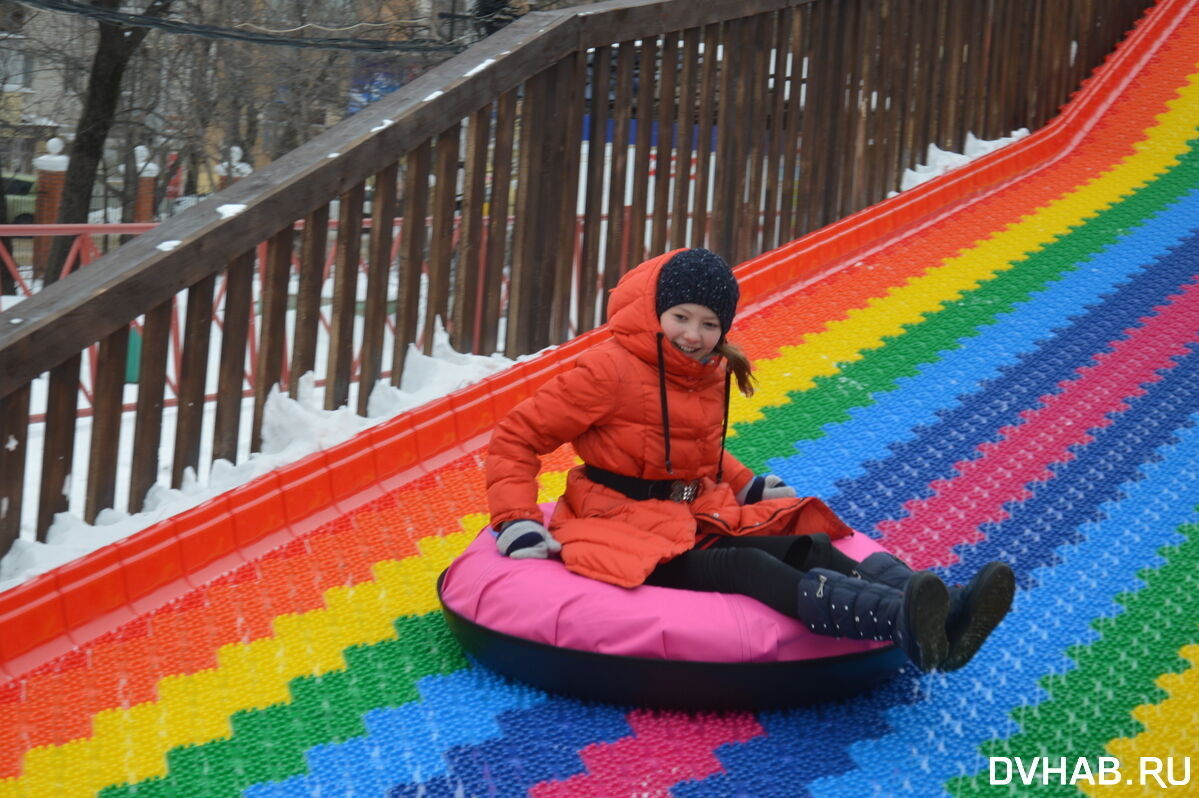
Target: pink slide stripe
978,494
665,749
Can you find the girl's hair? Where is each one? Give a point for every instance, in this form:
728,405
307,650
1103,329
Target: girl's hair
738,364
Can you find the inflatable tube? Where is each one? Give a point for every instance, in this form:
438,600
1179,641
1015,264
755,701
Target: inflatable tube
536,622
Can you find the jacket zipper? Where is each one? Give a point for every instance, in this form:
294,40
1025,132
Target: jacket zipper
720,522
773,516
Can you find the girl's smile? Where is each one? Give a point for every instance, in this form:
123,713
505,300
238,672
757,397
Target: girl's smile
693,329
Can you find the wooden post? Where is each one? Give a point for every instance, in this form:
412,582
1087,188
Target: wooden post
687,138
703,220
666,153
441,242
468,282
193,376
235,339
313,244
755,124
646,84
412,254
383,211
729,169
58,449
616,251
845,167
151,384
345,298
14,431
869,138
792,137
272,334
527,316
561,248
497,222
813,141
593,212
775,142
107,393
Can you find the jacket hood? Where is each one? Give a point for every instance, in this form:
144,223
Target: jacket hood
633,321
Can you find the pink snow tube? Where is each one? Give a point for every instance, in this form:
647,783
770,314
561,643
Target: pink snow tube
537,622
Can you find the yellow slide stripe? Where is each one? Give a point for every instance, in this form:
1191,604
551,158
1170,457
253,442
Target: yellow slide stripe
1169,738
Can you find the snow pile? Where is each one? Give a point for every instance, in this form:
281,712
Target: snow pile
292,429
109,215
939,161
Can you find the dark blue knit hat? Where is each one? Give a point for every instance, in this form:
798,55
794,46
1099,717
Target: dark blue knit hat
702,277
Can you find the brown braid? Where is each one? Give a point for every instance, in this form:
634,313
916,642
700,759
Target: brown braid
739,365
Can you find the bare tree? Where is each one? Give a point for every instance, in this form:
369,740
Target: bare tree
115,47
191,98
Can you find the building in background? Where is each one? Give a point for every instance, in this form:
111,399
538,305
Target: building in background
31,94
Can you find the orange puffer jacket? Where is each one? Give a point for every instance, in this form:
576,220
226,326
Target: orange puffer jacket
609,407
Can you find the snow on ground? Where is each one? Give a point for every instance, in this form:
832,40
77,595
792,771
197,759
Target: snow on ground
940,161
292,429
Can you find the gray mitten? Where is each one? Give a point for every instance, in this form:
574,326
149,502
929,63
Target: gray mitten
775,488
526,539
767,487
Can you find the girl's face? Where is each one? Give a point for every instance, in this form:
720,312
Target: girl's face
693,329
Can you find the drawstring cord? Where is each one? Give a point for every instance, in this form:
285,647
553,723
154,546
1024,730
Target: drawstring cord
662,394
724,430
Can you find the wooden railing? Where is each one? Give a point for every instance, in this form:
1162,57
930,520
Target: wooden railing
734,124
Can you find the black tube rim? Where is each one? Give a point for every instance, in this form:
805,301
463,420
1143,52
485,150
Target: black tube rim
668,683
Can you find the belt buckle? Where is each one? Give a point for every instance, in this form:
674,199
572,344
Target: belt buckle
684,491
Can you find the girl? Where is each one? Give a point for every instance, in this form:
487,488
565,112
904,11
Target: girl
660,501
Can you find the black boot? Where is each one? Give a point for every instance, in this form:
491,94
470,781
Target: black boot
886,569
840,606
974,609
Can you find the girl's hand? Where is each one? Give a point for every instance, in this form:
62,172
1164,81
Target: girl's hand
526,539
763,488
775,488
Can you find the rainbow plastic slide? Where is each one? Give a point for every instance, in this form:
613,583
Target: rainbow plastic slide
1001,363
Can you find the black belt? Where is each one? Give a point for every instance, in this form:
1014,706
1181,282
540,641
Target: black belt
676,490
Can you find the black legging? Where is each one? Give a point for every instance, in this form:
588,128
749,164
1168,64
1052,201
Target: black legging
765,568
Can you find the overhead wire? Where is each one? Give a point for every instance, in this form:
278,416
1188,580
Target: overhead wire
217,32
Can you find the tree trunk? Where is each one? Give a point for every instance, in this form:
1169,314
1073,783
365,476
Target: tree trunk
116,46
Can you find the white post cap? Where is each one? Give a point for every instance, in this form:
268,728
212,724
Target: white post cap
53,160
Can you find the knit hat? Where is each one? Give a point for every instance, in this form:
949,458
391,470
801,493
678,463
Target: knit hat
702,277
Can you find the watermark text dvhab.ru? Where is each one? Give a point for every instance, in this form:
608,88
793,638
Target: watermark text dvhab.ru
1164,772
